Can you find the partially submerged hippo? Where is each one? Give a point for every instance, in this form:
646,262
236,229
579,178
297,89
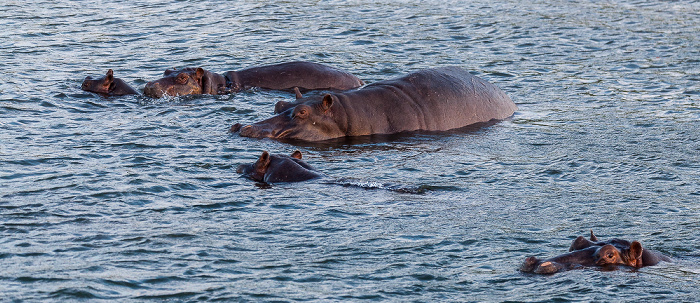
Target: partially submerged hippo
648,257
586,253
432,99
591,256
108,85
284,76
279,168
276,168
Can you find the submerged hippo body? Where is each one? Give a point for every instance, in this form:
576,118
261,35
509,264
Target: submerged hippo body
432,99
108,85
284,76
279,168
648,257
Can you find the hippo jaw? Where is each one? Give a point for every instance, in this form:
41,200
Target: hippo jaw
187,81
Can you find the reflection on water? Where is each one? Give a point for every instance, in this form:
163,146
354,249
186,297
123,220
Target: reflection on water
132,198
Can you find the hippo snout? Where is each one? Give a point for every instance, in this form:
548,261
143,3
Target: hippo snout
241,169
254,131
153,90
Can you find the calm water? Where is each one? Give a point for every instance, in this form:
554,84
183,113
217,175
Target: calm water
137,199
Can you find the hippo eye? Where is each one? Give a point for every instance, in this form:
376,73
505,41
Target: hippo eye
301,114
610,255
181,78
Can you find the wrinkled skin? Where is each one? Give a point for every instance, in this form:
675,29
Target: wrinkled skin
108,85
432,99
279,168
606,255
284,76
646,258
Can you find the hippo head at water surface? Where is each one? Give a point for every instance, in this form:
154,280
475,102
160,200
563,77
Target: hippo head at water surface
584,252
632,253
279,168
107,85
601,256
186,81
309,121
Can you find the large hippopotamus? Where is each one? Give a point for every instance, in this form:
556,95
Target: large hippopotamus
432,99
279,168
586,253
108,85
284,76
647,257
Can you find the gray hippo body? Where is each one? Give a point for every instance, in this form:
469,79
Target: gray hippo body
432,99
284,76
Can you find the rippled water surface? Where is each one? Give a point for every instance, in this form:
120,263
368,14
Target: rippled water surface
131,198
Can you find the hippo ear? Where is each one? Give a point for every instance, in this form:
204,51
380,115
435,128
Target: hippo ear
263,161
110,75
593,237
298,93
327,102
198,74
636,250
296,154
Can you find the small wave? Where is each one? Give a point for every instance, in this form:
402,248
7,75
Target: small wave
402,188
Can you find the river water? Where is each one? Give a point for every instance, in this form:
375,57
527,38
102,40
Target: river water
134,199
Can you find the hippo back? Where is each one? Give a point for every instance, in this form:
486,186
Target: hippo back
303,75
432,99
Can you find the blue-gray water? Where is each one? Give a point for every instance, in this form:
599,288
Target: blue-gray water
136,199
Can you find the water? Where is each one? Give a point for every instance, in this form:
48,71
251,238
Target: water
134,199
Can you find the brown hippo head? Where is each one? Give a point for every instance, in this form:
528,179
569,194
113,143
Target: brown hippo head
308,121
187,81
278,168
107,85
610,255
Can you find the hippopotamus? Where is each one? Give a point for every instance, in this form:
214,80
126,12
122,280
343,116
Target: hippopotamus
279,168
585,253
436,99
108,85
646,258
592,256
284,76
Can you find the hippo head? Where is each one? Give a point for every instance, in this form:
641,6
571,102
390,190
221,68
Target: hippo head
610,255
103,85
278,168
187,81
307,121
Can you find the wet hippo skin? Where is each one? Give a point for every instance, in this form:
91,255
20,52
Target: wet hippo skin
647,257
279,168
108,85
284,76
432,99
591,256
